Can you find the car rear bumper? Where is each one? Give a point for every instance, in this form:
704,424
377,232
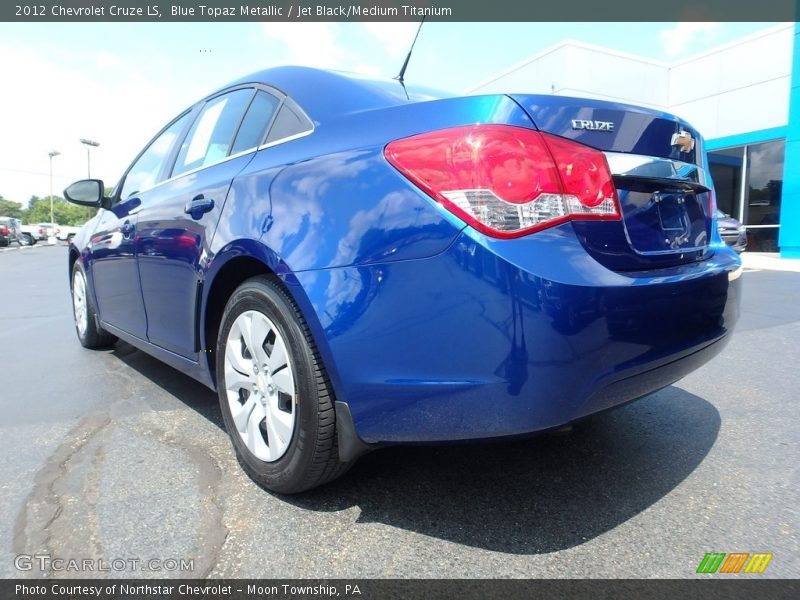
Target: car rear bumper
498,338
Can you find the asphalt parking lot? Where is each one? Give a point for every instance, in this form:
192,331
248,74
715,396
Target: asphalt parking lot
112,455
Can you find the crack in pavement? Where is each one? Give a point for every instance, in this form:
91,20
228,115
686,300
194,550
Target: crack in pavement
60,513
45,504
212,533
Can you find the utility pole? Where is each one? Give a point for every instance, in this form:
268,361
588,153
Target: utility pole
51,154
89,145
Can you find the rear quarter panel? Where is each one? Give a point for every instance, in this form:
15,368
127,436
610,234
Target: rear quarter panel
331,200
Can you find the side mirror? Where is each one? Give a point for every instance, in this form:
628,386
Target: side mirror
86,192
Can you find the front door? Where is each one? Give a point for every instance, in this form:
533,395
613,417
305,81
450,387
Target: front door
115,273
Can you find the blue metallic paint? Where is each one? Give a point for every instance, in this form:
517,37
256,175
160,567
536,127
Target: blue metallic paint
638,130
497,338
428,329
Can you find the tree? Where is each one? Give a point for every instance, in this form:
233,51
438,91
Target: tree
64,213
9,208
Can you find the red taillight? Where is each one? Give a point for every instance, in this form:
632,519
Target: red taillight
5,231
508,181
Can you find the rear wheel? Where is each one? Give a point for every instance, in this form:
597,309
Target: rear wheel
87,324
274,394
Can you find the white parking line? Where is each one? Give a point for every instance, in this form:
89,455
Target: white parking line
10,248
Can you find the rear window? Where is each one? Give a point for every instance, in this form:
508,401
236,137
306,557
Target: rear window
287,123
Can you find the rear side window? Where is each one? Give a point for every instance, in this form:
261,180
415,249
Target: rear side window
286,124
211,136
145,171
254,125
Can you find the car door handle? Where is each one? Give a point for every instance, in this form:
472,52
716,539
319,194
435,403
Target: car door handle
127,229
198,206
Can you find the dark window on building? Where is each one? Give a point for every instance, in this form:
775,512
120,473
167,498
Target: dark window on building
757,204
726,171
764,183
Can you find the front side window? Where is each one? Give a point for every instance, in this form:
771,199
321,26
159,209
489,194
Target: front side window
145,171
211,136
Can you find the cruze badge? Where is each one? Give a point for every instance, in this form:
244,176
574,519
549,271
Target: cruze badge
684,140
592,125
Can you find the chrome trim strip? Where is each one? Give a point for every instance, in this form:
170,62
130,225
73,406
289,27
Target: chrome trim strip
288,138
190,171
640,165
231,157
219,162
743,185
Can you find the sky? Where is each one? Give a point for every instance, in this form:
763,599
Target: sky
119,83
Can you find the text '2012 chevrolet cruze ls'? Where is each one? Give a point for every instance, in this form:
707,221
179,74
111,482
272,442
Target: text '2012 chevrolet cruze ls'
352,264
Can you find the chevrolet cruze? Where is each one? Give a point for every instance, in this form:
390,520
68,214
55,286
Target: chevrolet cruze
351,263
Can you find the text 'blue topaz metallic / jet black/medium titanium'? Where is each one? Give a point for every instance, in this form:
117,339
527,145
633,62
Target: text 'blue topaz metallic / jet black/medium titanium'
351,265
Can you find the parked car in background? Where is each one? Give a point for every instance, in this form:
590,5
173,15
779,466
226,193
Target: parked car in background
23,239
33,233
67,232
50,229
9,231
731,231
353,263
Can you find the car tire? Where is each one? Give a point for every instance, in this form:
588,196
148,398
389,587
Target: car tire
24,240
276,399
87,323
31,240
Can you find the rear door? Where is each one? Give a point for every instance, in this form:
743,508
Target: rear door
176,229
660,173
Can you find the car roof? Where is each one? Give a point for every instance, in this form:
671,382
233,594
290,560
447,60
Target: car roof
324,94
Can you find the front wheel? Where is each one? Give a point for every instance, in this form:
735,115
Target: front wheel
87,324
275,396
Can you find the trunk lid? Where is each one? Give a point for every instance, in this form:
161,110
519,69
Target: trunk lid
658,164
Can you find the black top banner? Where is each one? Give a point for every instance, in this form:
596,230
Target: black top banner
402,10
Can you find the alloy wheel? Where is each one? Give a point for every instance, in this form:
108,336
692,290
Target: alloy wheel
260,385
79,305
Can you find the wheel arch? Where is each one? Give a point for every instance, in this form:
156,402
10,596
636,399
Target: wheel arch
232,266
73,256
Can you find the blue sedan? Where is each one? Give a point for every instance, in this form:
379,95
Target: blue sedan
352,263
